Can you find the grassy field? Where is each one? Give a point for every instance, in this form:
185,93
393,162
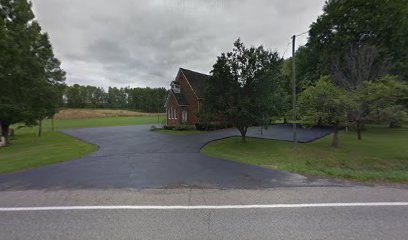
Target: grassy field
101,122
72,113
382,155
28,151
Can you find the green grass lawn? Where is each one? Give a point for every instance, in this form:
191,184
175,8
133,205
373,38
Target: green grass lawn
382,155
102,122
180,133
28,151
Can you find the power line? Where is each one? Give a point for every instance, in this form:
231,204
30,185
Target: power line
300,34
287,47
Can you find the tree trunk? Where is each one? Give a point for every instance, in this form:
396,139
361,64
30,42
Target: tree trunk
39,128
345,123
335,141
52,124
5,131
243,139
243,131
285,121
358,130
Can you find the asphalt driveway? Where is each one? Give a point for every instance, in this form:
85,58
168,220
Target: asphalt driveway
134,157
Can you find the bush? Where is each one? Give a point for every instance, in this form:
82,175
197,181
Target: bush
211,127
183,127
201,126
169,127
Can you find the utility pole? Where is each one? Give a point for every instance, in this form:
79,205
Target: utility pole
294,89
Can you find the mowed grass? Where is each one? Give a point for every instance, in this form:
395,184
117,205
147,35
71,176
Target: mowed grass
382,155
103,122
27,150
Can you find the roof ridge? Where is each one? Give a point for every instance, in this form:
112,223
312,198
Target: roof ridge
185,69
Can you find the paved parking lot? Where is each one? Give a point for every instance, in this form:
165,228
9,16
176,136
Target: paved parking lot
134,157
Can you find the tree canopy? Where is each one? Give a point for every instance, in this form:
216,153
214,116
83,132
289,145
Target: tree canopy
325,104
350,24
245,86
31,78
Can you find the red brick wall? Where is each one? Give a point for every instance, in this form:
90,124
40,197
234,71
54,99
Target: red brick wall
171,103
190,97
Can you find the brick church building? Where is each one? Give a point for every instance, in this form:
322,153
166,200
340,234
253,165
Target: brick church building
184,97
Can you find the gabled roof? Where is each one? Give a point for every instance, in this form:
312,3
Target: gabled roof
197,81
181,100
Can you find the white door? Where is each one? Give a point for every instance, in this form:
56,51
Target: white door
184,116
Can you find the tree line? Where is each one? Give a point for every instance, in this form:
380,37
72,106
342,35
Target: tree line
352,71
140,99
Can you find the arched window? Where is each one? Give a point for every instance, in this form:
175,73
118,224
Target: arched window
175,113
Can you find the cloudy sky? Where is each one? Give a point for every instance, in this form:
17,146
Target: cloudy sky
143,43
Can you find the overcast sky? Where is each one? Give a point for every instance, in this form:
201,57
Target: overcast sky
143,43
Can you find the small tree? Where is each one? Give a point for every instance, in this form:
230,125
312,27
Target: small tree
325,104
378,100
242,85
385,99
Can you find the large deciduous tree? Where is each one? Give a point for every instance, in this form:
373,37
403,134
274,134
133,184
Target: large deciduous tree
349,24
243,87
325,104
31,77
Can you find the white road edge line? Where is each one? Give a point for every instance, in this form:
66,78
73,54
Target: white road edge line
193,207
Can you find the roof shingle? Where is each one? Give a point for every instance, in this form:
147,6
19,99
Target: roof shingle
181,100
197,81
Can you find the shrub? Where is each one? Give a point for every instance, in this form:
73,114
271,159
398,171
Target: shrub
169,127
201,126
211,127
183,127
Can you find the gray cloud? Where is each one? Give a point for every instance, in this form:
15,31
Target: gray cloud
143,43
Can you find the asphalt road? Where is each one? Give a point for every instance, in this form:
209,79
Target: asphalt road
357,222
136,168
134,157
323,223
